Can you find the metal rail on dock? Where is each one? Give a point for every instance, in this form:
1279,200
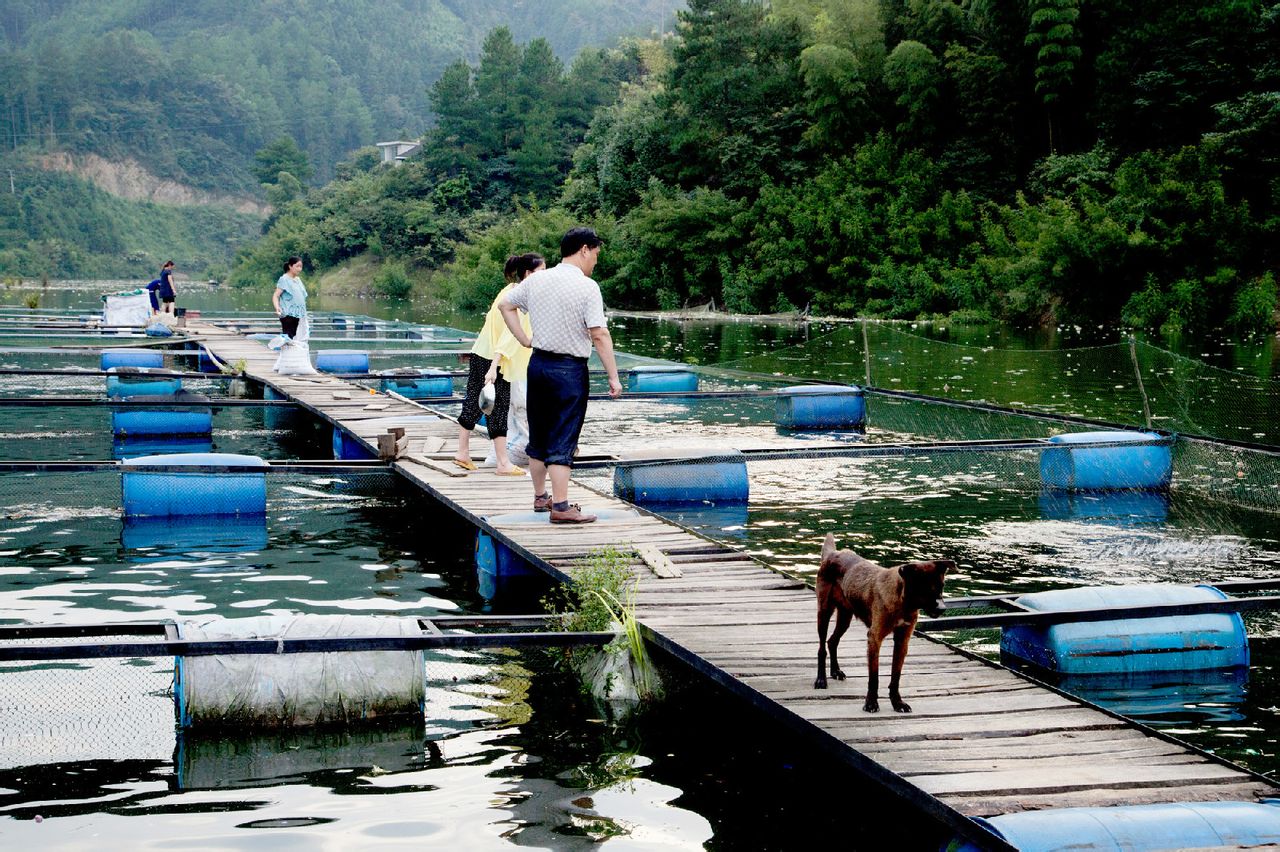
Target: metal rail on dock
134,402
167,643
313,466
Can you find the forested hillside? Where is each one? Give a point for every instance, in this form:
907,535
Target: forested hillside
1040,160
218,96
193,90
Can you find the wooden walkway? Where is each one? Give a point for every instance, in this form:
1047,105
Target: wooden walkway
981,741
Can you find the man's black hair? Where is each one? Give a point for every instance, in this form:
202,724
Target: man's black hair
575,239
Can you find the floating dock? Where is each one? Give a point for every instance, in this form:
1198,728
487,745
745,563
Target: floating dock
982,740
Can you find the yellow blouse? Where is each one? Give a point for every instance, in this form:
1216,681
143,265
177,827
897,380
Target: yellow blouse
495,339
514,358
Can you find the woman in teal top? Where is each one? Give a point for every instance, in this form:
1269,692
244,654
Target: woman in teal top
290,298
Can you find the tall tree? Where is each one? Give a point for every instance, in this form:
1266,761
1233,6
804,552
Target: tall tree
282,155
1054,38
735,92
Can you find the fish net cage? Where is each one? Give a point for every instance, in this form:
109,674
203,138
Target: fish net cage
78,711
1115,383
48,494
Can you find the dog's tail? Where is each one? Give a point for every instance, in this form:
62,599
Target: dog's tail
828,546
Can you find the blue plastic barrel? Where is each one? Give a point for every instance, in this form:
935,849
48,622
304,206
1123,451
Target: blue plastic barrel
161,493
495,558
131,358
1170,643
1138,828
132,448
497,565
1113,508
143,421
342,361
169,537
1196,696
722,520
821,407
1105,468
279,418
123,382
346,447
661,379
434,383
696,476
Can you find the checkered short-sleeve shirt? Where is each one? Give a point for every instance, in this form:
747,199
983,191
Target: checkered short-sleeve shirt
563,305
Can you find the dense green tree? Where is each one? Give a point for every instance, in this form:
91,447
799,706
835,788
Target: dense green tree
282,156
734,97
913,75
1036,161
1053,36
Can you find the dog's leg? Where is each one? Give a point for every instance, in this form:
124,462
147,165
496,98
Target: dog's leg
843,617
874,638
901,636
824,618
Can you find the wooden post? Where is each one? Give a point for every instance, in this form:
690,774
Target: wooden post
1133,356
866,353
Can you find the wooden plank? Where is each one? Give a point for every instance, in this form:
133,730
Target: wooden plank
942,763
900,727
1087,775
658,562
991,805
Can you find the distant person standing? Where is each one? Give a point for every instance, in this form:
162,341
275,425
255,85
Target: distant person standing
290,298
566,312
167,294
153,287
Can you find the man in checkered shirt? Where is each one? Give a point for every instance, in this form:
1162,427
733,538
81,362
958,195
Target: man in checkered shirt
566,313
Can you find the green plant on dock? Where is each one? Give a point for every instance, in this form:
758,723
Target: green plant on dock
602,597
236,367
604,570
32,300
623,612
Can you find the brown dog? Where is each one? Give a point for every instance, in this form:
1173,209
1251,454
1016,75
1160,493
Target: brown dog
887,600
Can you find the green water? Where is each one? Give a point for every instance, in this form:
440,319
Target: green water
697,788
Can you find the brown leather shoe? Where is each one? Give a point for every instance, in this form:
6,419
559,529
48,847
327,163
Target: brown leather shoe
542,504
572,515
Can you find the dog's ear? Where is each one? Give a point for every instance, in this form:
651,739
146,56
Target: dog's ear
944,566
911,570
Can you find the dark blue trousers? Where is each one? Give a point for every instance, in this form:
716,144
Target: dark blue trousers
558,391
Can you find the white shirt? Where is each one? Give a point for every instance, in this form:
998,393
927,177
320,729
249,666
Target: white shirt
563,305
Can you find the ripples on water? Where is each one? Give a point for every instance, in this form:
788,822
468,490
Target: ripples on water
512,755
510,752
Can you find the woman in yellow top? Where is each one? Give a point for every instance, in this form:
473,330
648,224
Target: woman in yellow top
513,360
483,356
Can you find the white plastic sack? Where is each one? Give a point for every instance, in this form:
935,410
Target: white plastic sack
295,356
612,674
295,360
279,690
517,428
126,309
